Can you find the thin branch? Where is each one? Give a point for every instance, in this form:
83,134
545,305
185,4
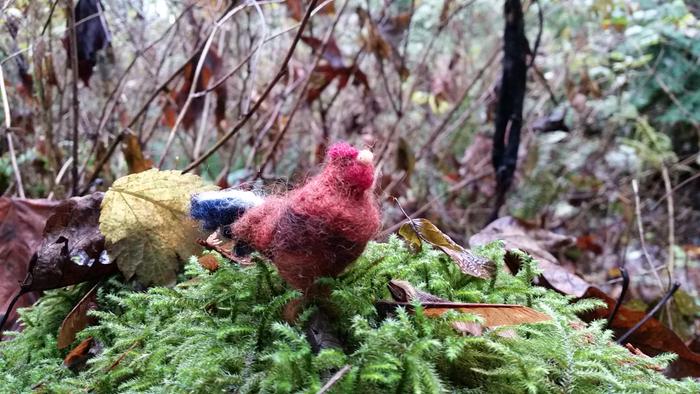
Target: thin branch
618,303
302,93
8,134
651,313
454,188
198,70
282,71
256,57
334,379
48,20
76,104
435,133
671,220
103,161
640,229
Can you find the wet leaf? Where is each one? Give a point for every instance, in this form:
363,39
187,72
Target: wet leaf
146,222
133,155
91,34
73,249
468,262
77,319
22,224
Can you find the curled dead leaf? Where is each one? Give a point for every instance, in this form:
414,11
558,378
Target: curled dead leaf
77,319
468,262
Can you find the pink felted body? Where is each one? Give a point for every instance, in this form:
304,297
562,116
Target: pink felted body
321,227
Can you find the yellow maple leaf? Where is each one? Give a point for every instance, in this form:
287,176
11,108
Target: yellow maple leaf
145,220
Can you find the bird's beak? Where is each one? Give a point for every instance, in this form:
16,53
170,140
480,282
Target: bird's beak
365,157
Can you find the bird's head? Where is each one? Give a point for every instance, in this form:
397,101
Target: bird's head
351,167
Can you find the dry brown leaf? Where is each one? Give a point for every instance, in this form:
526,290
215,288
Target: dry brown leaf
468,262
77,319
494,315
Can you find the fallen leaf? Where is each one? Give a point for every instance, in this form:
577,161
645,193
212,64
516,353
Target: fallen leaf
91,34
208,262
652,337
537,243
405,294
77,357
73,249
77,319
494,315
22,223
135,161
469,263
145,219
590,243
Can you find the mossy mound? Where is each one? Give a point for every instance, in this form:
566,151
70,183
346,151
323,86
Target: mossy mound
224,332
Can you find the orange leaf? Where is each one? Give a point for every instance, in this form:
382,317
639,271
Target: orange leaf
134,155
79,354
208,262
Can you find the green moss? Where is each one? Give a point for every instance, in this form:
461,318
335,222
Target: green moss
223,332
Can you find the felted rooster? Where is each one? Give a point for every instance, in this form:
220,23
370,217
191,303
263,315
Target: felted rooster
315,230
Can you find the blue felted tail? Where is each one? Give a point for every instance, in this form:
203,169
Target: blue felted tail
215,209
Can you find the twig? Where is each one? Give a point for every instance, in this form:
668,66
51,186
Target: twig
11,306
675,189
671,221
282,71
198,70
8,135
435,133
76,104
640,229
103,161
48,20
651,313
254,62
456,187
59,177
302,92
618,303
540,20
334,379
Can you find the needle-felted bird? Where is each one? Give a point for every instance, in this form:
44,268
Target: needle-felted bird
321,227
317,229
